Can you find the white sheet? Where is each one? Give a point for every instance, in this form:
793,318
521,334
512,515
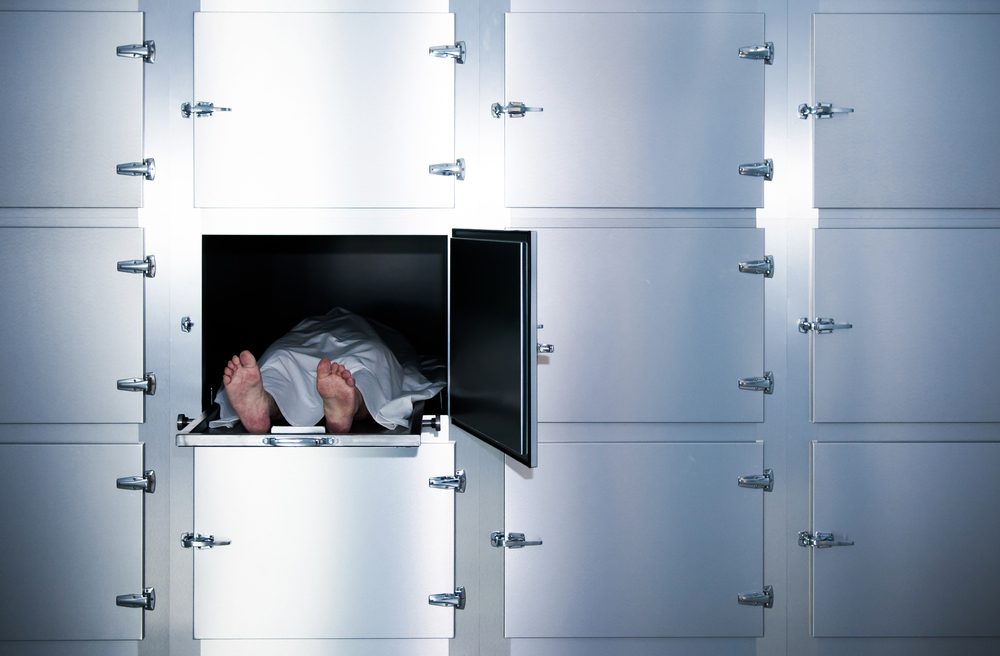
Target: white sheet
288,370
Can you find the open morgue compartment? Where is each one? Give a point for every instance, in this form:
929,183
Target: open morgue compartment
256,288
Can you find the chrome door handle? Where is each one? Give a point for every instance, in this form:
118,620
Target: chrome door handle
822,325
512,541
822,540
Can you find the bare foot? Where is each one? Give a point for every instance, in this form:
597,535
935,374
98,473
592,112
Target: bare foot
341,398
246,393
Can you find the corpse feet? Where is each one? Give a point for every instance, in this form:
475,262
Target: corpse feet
342,401
246,393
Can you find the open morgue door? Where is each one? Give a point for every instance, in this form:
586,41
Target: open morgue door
493,339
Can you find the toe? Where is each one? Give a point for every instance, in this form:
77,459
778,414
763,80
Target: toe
246,359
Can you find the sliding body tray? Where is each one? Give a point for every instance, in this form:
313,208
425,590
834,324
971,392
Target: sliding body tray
422,428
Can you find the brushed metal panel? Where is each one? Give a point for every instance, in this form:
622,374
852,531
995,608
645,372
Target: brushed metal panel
923,132
660,320
640,110
72,543
660,549
923,520
341,543
328,110
73,325
72,109
918,300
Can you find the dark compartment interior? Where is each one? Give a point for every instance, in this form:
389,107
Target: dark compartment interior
256,287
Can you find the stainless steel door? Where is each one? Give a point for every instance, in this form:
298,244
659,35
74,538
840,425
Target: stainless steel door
661,549
73,542
72,109
328,110
73,325
325,542
922,517
917,350
923,88
661,320
639,110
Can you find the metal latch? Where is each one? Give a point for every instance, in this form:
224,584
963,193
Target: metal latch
821,325
512,541
454,599
456,168
186,324
763,383
456,52
146,266
765,52
822,110
146,384
546,348
146,168
146,482
763,267
764,598
763,169
199,541
822,540
456,482
201,108
763,481
513,109
145,599
145,50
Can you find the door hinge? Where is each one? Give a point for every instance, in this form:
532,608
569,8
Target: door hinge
146,482
822,540
454,599
199,541
146,266
763,481
456,482
821,325
822,110
763,267
512,541
456,168
763,383
764,52
145,51
145,599
201,108
763,169
764,598
146,384
146,168
513,109
456,52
